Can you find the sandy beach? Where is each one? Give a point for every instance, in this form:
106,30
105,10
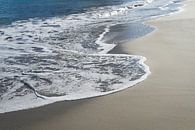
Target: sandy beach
164,101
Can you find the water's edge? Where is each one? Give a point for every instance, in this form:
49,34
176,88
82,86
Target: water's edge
106,48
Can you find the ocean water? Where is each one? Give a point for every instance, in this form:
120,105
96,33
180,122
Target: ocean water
59,50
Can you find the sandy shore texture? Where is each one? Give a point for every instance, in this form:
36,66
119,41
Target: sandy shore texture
165,101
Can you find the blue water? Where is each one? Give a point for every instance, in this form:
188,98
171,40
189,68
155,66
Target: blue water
54,50
12,10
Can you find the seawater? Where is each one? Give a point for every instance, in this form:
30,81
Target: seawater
59,50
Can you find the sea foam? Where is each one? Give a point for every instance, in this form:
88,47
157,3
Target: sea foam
65,58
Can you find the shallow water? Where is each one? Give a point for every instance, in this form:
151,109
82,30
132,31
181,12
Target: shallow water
55,53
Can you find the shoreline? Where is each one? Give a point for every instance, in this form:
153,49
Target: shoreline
159,102
105,47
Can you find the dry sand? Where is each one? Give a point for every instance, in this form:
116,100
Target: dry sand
165,101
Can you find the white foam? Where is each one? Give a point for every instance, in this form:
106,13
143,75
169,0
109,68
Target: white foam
39,33
105,48
87,91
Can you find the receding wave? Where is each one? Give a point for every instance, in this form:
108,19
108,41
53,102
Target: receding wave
65,58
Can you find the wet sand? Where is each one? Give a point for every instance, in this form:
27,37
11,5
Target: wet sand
164,101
